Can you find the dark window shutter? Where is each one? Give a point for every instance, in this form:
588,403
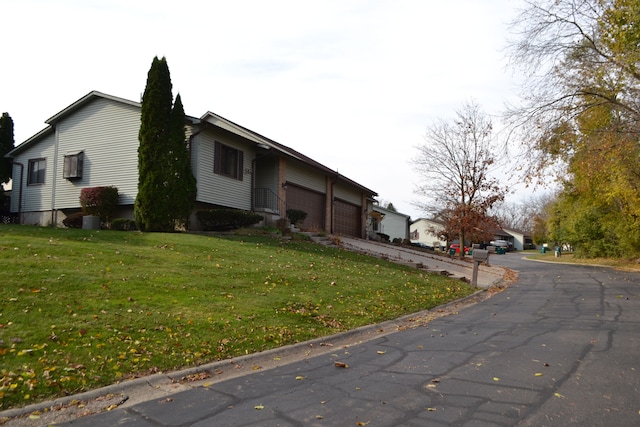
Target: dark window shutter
240,164
66,172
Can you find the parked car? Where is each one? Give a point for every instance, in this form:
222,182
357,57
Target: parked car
501,244
456,246
421,245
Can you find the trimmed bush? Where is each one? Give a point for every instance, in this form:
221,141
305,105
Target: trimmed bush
123,224
99,201
226,219
74,220
295,216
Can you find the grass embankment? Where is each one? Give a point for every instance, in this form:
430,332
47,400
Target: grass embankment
82,309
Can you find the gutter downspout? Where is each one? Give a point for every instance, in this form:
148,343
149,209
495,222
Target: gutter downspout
54,216
190,149
20,188
333,200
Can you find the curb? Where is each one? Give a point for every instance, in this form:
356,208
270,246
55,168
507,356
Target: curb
367,332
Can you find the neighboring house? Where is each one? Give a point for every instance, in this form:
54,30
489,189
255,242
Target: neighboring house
425,231
519,239
94,142
393,224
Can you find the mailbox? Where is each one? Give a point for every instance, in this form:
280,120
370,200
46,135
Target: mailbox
480,255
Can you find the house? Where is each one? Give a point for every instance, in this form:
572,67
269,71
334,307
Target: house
519,239
425,231
94,142
389,222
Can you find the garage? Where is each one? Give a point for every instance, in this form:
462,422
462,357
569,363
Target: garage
348,220
309,201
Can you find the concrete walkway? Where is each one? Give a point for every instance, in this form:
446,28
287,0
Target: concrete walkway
487,275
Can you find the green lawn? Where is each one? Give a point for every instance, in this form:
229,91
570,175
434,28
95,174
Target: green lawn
569,258
82,309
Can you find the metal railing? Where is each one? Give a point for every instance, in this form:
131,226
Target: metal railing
267,199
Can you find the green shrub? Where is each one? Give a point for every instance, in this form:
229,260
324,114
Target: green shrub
99,201
74,220
295,216
123,224
226,219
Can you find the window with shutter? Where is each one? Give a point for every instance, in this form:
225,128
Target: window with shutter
73,165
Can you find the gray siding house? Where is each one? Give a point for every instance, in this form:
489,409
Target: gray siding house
391,223
94,142
426,231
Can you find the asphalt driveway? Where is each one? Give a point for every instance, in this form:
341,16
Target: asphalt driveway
560,347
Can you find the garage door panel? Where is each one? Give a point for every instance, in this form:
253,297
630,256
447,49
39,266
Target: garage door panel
347,219
311,202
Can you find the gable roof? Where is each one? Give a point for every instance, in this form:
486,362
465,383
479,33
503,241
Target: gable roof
513,231
53,120
433,221
389,211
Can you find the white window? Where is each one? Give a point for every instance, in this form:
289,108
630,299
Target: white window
36,171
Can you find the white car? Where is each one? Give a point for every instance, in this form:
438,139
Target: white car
500,244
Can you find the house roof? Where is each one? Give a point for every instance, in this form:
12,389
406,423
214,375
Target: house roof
389,211
269,144
516,231
435,221
62,114
209,117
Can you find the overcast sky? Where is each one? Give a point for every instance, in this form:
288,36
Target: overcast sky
351,83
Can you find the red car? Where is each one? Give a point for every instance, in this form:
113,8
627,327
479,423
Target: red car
456,246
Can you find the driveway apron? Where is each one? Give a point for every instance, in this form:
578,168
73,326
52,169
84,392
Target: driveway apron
560,347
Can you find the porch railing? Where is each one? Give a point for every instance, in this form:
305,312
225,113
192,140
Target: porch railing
267,199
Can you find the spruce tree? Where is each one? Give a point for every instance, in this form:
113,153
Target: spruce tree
153,208
6,145
183,185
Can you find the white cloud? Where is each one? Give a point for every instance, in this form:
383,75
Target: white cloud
352,84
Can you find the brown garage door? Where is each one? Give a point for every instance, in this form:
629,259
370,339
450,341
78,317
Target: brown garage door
347,219
311,202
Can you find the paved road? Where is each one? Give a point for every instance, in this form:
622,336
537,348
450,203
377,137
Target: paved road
558,348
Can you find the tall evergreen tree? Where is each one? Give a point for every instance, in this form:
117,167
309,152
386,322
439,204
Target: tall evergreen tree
6,145
153,207
182,192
